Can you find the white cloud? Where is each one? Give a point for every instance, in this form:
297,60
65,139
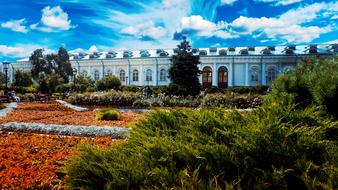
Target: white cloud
293,26
16,25
147,29
280,2
21,50
93,49
228,2
53,19
174,3
204,27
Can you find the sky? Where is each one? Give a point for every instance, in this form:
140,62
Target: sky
103,25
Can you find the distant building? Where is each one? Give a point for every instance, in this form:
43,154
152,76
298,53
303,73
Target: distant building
222,67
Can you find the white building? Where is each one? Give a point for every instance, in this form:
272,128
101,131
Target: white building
223,67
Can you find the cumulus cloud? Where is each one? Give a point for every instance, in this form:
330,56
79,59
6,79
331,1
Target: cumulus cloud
16,25
280,2
93,49
21,50
53,19
228,2
292,26
146,30
196,24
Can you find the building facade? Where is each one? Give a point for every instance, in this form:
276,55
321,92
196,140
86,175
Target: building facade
222,67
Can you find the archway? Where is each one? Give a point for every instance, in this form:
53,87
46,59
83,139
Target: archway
223,77
207,77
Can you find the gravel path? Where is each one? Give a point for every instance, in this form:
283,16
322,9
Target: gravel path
70,130
8,109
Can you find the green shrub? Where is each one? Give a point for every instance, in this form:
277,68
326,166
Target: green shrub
172,101
22,78
113,98
2,106
63,88
313,82
175,90
228,100
214,89
107,114
250,89
131,88
108,83
273,147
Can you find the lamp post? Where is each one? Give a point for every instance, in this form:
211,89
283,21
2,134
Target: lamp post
5,64
74,79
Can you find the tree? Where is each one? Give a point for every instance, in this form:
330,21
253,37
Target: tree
54,80
184,71
22,78
39,64
64,68
107,83
2,78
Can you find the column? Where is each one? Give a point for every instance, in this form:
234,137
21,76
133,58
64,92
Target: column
263,74
247,74
231,73
214,75
141,74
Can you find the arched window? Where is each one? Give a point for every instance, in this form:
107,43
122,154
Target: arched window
96,75
271,74
254,74
207,77
108,73
122,75
223,77
135,75
84,73
163,75
149,75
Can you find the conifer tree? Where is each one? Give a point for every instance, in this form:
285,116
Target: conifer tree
184,71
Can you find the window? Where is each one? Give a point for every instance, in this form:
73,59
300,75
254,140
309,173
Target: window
149,75
96,75
109,73
163,75
135,75
272,74
122,75
254,74
223,77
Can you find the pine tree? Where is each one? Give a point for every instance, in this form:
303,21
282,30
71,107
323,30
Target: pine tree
184,71
64,69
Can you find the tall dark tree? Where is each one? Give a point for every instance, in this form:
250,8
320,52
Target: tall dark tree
184,71
39,64
64,69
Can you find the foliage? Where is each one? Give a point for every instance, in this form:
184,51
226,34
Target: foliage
107,114
114,98
184,71
176,90
272,147
53,81
83,83
108,83
2,78
231,100
63,88
51,63
131,88
250,89
213,90
172,101
314,81
23,90
22,78
2,106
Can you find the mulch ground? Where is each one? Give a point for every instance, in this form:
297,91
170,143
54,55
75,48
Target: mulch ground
54,113
32,161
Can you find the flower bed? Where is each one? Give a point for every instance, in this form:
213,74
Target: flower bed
115,98
31,161
54,113
72,130
238,101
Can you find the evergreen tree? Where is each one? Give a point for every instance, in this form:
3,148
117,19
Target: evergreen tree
64,69
184,71
39,64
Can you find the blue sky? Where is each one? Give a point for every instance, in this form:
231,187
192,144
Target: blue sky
92,25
